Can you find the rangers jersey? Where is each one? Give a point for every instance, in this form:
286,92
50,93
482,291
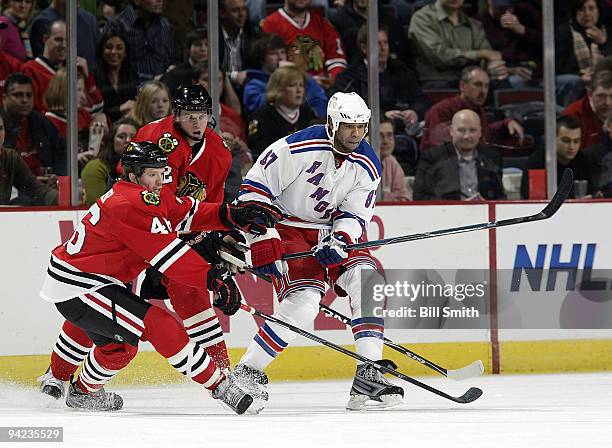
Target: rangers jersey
124,232
201,172
317,28
300,175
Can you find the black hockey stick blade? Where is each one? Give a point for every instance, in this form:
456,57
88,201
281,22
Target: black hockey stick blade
471,395
551,208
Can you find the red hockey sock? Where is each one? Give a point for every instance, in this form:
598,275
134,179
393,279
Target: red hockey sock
70,350
103,363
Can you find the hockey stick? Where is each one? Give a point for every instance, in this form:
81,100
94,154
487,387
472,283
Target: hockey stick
474,369
472,394
551,208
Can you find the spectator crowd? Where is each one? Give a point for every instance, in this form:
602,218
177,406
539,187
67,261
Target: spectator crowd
461,92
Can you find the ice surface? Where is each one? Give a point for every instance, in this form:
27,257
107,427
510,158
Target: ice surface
568,410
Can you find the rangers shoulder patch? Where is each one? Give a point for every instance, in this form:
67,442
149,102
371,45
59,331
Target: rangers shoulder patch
167,142
150,198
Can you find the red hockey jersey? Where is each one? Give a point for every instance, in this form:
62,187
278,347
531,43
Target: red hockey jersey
123,233
205,171
317,28
42,74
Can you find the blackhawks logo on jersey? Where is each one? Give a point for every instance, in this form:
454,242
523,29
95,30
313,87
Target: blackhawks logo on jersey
167,142
150,198
190,185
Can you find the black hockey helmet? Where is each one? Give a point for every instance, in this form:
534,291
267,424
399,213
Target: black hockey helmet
140,155
192,97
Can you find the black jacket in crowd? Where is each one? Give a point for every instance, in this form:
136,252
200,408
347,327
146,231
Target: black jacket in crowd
437,174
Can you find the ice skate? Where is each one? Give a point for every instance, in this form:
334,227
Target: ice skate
50,386
371,390
97,401
231,393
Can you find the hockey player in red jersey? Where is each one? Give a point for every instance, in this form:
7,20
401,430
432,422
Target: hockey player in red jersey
293,21
196,155
127,229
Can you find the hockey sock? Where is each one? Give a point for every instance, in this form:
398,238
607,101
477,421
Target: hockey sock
170,340
70,350
103,363
298,308
368,330
200,320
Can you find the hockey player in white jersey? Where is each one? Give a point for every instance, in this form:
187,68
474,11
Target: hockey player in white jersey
324,180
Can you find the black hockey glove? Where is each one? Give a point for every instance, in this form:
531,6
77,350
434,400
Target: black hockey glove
207,245
227,296
250,216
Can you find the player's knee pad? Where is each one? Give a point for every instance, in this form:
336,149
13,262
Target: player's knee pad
115,356
360,282
164,332
300,307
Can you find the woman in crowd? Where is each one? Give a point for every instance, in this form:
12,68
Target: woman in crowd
114,75
284,113
393,178
15,38
152,103
580,44
100,172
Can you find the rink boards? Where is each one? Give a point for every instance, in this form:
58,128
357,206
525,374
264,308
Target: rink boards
577,237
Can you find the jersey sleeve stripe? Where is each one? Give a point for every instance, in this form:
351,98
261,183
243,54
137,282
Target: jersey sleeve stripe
249,186
167,256
339,214
185,224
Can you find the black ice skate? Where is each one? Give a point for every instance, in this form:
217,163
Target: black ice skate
98,401
233,395
371,390
51,386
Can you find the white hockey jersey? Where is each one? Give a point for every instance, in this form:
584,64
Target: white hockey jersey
298,174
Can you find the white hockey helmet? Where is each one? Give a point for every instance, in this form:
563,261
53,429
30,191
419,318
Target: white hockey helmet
346,108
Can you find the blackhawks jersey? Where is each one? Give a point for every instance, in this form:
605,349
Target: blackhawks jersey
318,28
300,175
200,173
124,232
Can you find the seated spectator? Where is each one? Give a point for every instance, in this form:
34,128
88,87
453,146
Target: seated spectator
514,28
101,172
445,40
284,113
88,32
8,65
197,52
268,52
579,44
473,91
150,38
351,16
593,109
90,133
461,169
114,75
15,38
33,136
326,59
43,69
152,103
236,36
569,155
600,157
401,98
393,177
15,173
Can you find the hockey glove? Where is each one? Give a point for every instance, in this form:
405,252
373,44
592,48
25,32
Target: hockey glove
249,216
330,252
221,283
207,245
266,253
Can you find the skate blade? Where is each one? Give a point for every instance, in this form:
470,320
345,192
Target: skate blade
256,407
365,403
